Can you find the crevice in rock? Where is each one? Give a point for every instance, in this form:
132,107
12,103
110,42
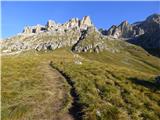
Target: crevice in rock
82,36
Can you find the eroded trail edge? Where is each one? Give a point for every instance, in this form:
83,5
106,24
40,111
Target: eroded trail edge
76,108
58,101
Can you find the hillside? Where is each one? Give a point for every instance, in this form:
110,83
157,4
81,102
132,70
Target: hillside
104,89
71,71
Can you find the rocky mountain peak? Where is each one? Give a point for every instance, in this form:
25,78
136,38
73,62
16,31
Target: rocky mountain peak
122,31
27,30
154,18
74,22
127,31
33,29
37,28
151,24
124,23
53,26
86,21
50,23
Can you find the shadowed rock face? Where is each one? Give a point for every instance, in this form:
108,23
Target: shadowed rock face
124,30
93,41
150,40
144,34
151,24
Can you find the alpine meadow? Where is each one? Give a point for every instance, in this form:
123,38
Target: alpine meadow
76,71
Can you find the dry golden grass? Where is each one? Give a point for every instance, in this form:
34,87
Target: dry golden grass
107,88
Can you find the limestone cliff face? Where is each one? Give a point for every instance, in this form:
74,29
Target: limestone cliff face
80,24
33,29
74,22
50,23
53,26
85,22
151,24
144,33
93,41
150,40
27,30
124,30
49,37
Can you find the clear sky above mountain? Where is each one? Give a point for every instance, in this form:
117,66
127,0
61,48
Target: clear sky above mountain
16,15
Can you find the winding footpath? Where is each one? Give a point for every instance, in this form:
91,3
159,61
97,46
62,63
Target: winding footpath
58,81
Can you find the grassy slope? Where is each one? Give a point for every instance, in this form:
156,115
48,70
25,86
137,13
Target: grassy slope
113,92
27,90
107,86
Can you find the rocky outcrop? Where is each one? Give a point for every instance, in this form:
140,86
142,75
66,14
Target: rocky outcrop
85,22
74,22
150,40
40,38
92,40
58,35
53,26
50,24
34,29
37,29
47,46
27,30
124,30
151,24
80,24
144,33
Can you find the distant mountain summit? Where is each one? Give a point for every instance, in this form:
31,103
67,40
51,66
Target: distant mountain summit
150,40
83,36
126,30
145,33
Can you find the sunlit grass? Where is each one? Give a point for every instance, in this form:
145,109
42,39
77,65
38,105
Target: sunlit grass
104,84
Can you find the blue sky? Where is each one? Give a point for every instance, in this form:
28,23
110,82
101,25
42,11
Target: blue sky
16,15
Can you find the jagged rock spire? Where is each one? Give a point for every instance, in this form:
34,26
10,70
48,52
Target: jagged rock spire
52,25
85,22
27,30
74,22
